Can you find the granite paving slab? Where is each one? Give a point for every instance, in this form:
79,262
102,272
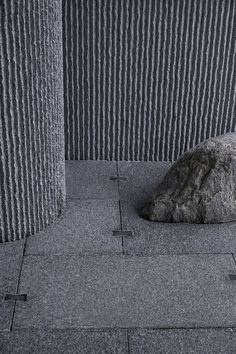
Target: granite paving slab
142,179
91,180
151,238
120,291
85,227
187,341
13,248
4,342
9,275
68,342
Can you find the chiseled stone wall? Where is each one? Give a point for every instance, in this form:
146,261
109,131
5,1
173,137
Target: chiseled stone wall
32,191
147,79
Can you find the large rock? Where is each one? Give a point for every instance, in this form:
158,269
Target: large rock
200,187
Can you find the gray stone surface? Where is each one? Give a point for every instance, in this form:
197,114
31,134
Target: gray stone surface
91,180
142,179
4,342
149,83
197,341
9,274
32,149
165,291
200,187
12,248
68,342
84,228
150,238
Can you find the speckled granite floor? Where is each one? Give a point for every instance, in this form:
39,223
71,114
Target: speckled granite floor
150,288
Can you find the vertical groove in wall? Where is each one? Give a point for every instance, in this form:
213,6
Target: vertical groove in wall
155,77
31,116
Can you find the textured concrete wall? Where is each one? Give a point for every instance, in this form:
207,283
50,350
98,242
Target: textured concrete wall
147,79
31,116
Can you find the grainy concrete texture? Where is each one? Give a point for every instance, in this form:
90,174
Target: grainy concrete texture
85,227
10,264
32,179
163,290
91,180
67,342
167,291
186,341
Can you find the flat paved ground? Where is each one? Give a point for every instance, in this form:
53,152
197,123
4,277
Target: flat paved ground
104,280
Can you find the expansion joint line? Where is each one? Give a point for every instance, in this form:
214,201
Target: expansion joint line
120,210
234,259
18,284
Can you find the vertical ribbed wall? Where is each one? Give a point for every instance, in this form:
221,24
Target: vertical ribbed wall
31,116
147,79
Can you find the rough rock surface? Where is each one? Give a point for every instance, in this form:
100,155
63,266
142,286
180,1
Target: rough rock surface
200,187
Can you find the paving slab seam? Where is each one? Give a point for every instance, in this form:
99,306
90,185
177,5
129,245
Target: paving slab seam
120,209
18,284
94,254
127,329
153,255
82,329
234,259
125,253
72,329
128,341
122,255
178,328
121,227
163,329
